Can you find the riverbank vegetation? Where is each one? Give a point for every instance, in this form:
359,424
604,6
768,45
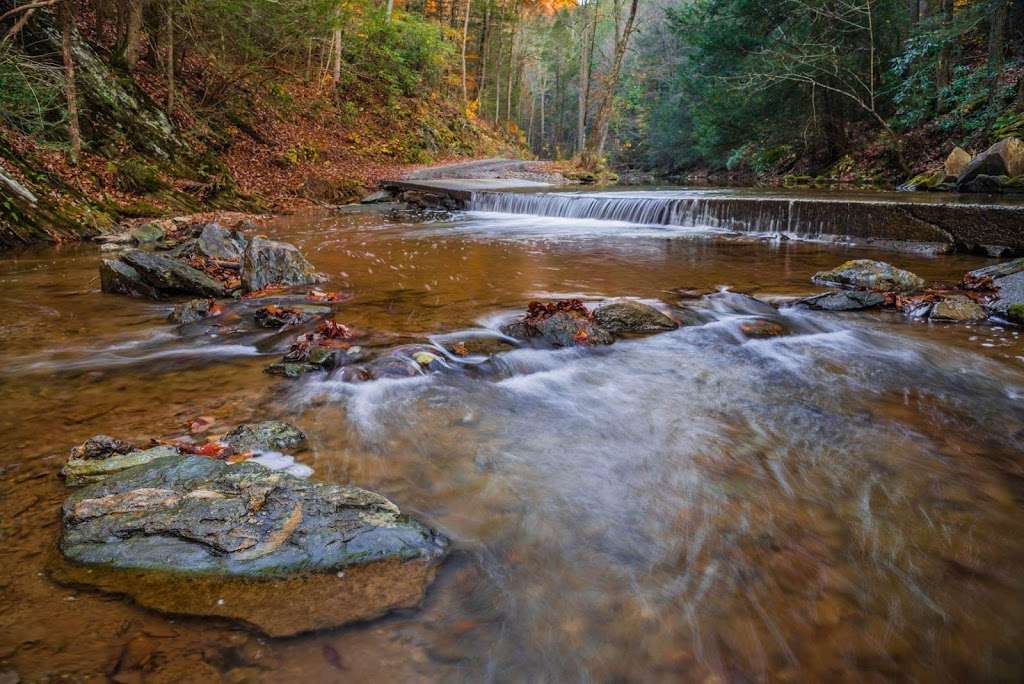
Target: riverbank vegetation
869,88
116,108
112,109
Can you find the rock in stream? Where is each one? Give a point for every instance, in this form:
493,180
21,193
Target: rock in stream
194,535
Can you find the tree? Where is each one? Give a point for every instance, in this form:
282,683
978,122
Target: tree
67,26
594,150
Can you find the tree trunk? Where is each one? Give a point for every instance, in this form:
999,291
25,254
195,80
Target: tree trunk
465,39
595,149
511,63
170,57
584,88
943,68
997,39
67,25
481,77
131,37
388,9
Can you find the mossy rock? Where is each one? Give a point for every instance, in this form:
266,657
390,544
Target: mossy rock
1015,312
137,176
926,181
140,210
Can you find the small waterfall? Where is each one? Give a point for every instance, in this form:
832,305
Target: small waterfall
811,218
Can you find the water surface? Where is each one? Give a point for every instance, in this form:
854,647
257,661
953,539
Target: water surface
843,503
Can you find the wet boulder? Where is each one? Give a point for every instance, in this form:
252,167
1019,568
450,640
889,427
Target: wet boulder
319,359
268,435
958,309
320,554
170,276
844,300
563,329
563,323
117,277
635,318
194,310
867,274
101,456
267,262
406,361
1005,158
216,242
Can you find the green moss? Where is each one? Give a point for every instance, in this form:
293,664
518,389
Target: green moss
137,176
1016,313
140,209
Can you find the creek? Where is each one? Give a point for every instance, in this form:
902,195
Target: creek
843,502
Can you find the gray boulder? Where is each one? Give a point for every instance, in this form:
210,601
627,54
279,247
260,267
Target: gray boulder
1005,158
170,276
117,277
844,300
216,242
629,317
266,262
866,274
268,435
321,554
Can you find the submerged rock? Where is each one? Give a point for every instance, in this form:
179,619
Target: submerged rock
194,310
88,464
630,317
867,274
209,524
478,344
268,435
958,309
171,276
761,328
266,262
844,300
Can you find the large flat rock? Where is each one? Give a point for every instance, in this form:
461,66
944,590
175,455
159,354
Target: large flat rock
222,527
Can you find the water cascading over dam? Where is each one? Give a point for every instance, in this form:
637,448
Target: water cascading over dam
888,220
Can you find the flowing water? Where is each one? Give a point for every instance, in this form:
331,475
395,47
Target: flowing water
841,503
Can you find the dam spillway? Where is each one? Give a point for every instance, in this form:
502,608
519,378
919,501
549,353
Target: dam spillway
884,218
